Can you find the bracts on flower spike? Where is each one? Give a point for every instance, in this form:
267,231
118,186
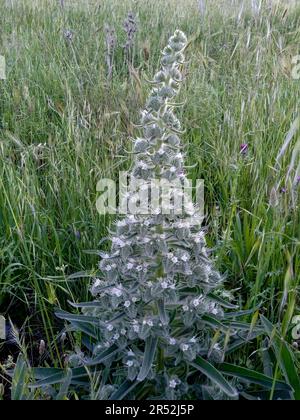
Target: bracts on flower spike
158,314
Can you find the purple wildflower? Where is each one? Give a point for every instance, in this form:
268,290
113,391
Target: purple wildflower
69,35
77,234
244,148
283,190
130,27
110,43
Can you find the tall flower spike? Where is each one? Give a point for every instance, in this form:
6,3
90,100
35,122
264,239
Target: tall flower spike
157,294
110,46
131,28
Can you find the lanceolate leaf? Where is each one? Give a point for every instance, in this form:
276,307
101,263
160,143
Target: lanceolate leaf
19,380
252,376
162,312
214,323
78,318
244,326
284,356
64,389
79,376
225,325
43,373
222,301
265,395
89,330
150,351
56,376
215,376
239,314
103,357
124,390
83,305
80,275
241,342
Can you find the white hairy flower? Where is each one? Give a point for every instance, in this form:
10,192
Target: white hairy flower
184,347
116,291
148,322
119,242
121,223
136,328
143,165
196,302
173,384
97,283
144,187
164,284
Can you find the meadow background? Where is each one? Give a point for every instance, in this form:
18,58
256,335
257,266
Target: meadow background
64,125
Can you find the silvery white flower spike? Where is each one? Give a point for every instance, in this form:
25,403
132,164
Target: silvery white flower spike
157,295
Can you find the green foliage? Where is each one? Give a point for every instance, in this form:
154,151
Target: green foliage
63,126
156,326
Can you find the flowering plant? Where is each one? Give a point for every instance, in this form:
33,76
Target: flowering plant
161,322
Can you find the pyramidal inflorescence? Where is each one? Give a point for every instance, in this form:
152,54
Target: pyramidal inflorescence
157,294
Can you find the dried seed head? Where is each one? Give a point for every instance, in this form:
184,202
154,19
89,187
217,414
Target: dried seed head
42,347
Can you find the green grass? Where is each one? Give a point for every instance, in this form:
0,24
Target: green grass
64,127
